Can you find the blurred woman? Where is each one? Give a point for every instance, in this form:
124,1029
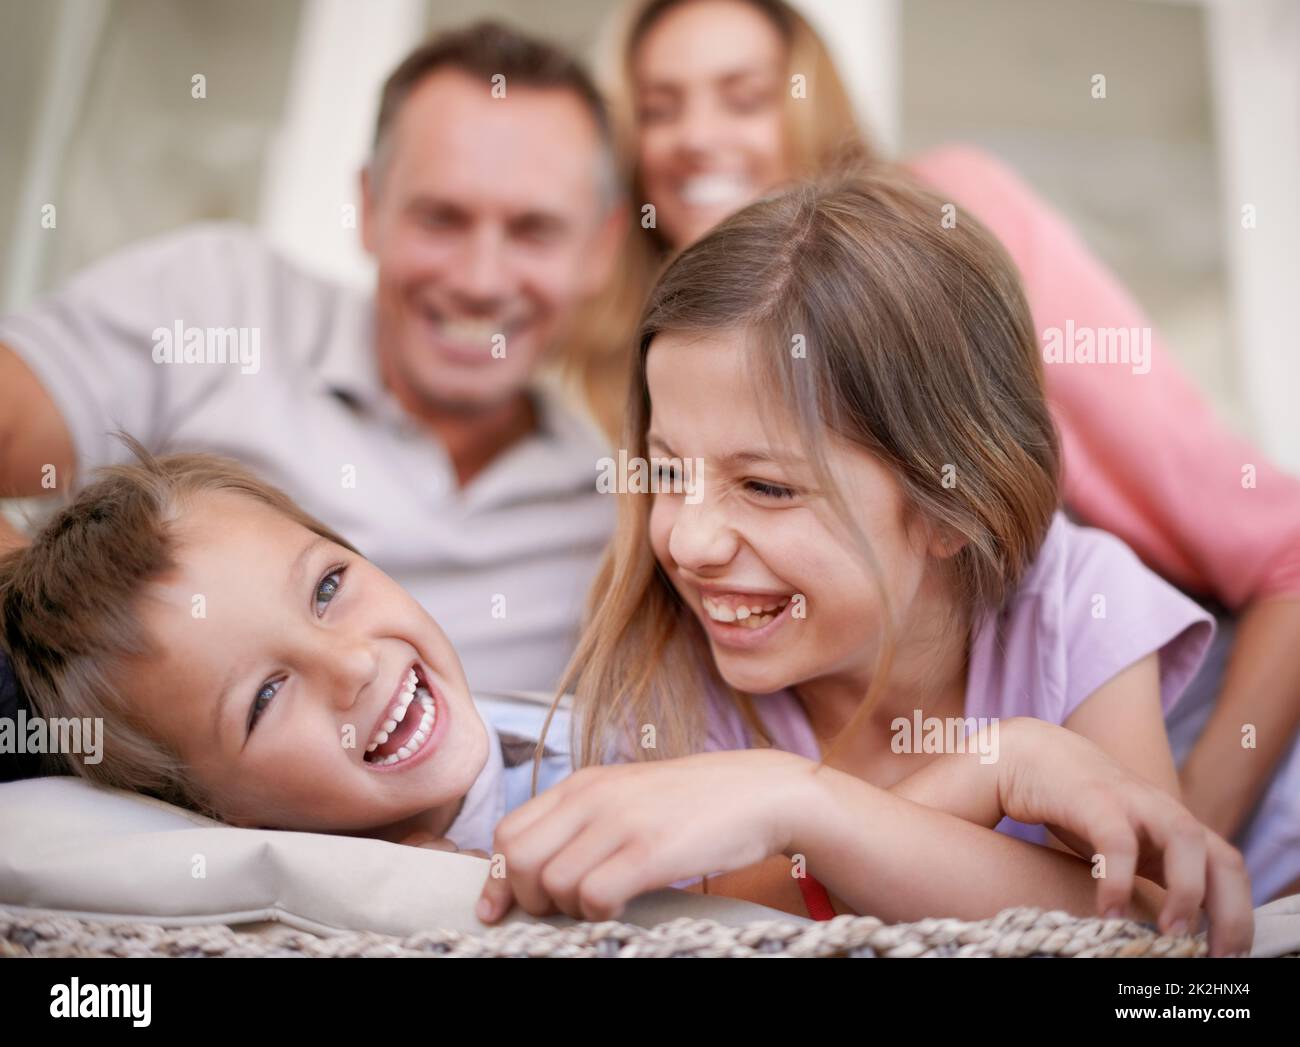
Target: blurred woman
721,102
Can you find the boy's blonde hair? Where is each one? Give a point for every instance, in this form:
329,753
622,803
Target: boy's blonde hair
69,600
919,350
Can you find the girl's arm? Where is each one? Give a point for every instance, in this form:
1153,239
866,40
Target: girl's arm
1198,503
1124,719
611,833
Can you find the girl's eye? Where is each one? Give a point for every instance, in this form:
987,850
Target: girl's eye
666,475
768,490
327,588
262,699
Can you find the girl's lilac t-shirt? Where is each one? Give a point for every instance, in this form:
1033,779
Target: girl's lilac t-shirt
1086,610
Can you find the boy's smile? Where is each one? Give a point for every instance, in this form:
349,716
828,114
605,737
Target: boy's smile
303,687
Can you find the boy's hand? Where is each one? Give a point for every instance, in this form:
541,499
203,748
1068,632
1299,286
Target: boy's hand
436,843
608,834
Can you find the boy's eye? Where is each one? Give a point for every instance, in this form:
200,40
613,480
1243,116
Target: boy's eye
262,699
327,588
768,490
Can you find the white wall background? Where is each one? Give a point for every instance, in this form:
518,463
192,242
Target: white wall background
1203,116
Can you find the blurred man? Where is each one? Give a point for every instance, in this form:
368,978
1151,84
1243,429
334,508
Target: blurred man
410,421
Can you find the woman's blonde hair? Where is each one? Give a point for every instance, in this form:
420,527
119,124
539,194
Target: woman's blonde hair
822,135
69,603
919,350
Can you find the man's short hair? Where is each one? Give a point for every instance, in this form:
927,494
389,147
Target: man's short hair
484,50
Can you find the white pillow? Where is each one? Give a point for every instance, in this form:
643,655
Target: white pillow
97,853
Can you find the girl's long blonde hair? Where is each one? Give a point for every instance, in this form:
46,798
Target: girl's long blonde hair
919,349
822,135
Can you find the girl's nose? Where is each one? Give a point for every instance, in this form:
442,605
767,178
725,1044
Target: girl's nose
701,537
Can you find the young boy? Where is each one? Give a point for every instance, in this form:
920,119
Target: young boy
247,662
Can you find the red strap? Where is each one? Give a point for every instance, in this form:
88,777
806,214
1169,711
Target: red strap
815,897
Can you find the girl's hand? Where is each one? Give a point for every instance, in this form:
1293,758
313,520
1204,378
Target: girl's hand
607,834
1098,809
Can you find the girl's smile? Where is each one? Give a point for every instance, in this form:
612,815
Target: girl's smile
777,583
743,620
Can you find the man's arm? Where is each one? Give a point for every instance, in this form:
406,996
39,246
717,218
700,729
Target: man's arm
33,434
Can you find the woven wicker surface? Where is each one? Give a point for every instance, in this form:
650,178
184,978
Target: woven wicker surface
1014,932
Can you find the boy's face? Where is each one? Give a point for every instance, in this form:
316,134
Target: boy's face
282,656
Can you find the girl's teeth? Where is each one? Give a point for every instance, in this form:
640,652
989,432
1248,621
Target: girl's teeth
746,616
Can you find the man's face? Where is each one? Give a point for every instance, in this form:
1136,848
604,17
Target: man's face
488,223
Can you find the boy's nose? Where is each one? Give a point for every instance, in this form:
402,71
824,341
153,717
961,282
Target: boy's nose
351,666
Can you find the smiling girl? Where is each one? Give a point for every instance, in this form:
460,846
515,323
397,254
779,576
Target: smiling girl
703,93
876,538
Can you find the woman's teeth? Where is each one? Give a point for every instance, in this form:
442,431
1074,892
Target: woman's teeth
750,615
412,690
716,191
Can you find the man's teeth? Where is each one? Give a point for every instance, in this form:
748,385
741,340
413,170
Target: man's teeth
411,690
471,332
715,191
747,615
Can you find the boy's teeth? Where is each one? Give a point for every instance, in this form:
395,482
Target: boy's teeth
428,717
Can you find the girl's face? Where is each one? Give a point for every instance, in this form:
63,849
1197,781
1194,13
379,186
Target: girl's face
777,582
283,658
709,87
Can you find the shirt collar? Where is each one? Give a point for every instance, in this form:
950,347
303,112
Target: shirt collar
485,803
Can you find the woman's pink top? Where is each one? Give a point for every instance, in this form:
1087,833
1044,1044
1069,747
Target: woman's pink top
1145,456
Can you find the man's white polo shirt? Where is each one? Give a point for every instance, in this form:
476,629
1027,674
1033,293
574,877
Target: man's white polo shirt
277,369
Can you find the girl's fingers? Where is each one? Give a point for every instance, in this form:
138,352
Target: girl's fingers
563,876
1182,843
495,900
1228,901
623,875
1116,842
528,851
529,813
